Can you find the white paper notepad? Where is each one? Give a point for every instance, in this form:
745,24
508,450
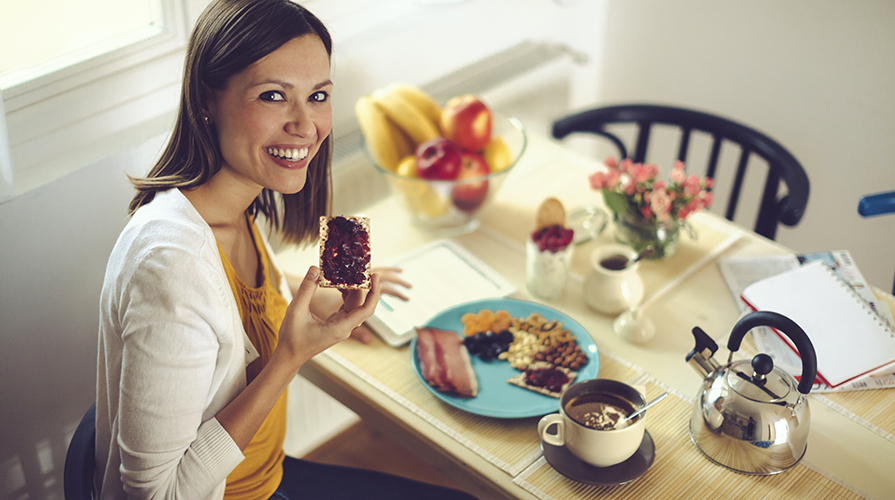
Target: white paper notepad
443,274
850,340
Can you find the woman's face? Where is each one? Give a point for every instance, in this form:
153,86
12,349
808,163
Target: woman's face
272,117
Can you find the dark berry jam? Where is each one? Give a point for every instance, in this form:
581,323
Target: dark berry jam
548,378
346,252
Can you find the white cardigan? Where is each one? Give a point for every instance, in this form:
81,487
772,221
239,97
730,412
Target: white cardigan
172,354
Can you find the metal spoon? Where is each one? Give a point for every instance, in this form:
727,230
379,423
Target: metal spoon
645,253
644,407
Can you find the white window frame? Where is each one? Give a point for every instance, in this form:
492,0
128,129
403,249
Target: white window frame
83,113
75,116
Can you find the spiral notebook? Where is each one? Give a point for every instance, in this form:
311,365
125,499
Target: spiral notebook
850,340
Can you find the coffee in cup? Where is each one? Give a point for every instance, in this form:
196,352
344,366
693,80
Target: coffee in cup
600,410
589,423
615,262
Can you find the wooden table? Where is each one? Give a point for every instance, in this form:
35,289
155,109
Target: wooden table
850,450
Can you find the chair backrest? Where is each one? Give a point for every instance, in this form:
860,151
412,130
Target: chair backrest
782,166
80,460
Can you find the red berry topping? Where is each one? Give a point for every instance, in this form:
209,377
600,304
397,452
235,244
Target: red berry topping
553,238
346,252
548,378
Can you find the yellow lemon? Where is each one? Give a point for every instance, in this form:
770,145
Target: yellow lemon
407,184
433,204
418,195
497,154
407,167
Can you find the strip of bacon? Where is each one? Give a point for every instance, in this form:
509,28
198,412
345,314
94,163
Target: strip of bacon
425,349
445,363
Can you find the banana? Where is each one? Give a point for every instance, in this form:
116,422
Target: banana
419,127
386,143
404,145
419,99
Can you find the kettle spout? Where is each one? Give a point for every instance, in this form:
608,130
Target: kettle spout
700,358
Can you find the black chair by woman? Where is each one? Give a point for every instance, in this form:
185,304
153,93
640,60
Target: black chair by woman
79,460
775,208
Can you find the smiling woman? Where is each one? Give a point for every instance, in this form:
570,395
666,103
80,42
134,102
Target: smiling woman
199,331
272,118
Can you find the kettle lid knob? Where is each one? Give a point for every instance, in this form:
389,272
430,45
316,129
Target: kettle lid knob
762,364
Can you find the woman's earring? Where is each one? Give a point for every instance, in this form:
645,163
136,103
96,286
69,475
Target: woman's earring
207,120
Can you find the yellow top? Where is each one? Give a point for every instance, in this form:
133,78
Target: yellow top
262,311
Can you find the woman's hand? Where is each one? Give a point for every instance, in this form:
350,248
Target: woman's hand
302,336
305,333
390,277
391,285
326,301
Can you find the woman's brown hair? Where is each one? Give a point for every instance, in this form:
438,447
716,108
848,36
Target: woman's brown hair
229,36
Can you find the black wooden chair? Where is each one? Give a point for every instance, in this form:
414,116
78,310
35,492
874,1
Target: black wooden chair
775,207
878,204
80,460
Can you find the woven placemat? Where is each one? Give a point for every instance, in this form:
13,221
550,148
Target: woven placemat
872,408
511,446
681,471
511,216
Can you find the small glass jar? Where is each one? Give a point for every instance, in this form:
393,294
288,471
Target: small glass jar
546,271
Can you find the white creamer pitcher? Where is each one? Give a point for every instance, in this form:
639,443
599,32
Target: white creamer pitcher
613,284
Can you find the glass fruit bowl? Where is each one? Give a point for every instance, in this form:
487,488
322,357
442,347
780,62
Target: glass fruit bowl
451,207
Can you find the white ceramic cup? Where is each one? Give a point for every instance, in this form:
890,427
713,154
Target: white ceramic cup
600,448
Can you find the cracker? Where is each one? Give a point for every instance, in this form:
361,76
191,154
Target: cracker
519,379
329,274
550,213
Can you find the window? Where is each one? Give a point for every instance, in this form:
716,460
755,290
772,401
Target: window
75,96
69,33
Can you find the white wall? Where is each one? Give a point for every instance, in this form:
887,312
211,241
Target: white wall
428,39
818,76
53,250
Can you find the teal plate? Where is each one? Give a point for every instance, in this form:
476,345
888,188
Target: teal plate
498,398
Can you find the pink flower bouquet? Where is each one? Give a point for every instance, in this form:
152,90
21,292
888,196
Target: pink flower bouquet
648,210
633,187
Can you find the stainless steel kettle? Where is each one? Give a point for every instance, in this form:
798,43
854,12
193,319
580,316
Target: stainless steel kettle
749,416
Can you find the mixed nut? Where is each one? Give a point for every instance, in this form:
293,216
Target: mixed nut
534,339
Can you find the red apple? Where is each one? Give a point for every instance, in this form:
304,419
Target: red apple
466,120
468,196
438,159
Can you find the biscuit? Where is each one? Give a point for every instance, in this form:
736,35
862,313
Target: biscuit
550,213
519,379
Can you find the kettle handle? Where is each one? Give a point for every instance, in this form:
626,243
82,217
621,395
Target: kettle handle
789,328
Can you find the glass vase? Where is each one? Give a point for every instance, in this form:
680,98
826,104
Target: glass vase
640,234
